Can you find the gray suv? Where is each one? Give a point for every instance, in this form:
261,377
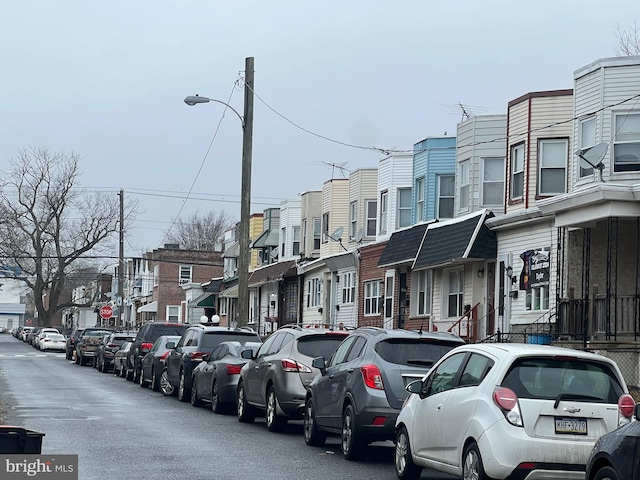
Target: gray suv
275,379
361,388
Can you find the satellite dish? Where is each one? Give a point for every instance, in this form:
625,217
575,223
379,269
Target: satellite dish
337,234
274,254
593,155
359,235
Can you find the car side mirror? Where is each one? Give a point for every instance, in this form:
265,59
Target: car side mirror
247,354
205,357
414,387
319,363
171,345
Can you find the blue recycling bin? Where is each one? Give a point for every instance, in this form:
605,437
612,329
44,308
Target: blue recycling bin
539,338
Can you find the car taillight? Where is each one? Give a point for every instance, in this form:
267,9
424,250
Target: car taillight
507,400
289,365
145,347
626,406
197,356
233,369
372,377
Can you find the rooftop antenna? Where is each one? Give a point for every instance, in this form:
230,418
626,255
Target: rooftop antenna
336,236
593,156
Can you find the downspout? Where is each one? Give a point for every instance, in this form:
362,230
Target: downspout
528,157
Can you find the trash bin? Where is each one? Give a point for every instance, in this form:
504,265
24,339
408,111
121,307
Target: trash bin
19,440
539,338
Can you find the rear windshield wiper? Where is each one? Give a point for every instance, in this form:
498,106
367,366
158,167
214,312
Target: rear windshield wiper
573,396
413,361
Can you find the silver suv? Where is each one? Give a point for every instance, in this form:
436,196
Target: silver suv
276,378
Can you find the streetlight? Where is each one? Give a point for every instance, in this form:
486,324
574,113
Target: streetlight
245,196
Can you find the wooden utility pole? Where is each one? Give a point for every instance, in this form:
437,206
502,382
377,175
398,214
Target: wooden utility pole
119,323
245,202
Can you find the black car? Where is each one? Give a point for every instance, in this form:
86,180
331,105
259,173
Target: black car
361,389
154,370
144,341
197,341
108,348
71,343
616,455
120,358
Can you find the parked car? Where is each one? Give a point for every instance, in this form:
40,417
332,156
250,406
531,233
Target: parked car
32,335
71,343
120,360
510,411
197,341
53,341
36,339
276,378
215,379
143,343
88,343
24,332
363,407
615,454
108,348
154,369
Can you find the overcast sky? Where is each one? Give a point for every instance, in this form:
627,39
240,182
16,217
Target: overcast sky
107,80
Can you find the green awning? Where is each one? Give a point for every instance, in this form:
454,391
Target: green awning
206,300
268,238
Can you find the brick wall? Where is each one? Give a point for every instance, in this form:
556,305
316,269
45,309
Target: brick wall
368,270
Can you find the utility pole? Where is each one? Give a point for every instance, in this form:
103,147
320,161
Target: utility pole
120,297
245,202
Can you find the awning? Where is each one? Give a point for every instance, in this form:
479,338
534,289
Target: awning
149,307
456,240
233,251
403,246
205,300
268,238
231,292
341,260
273,273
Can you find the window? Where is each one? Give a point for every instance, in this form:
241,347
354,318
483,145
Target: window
464,184
296,241
156,275
404,207
317,233
537,298
304,234
492,181
388,297
475,370
422,293
353,219
517,171
314,292
325,227
626,143
420,212
348,287
173,313
372,297
283,241
185,274
553,166
587,140
223,306
383,211
372,207
446,190
442,379
455,292
340,354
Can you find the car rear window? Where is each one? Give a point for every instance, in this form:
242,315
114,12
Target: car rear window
156,333
549,378
213,339
322,345
405,351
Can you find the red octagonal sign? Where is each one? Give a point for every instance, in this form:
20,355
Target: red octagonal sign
106,311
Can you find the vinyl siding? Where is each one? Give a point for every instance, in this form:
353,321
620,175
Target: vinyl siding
310,208
394,172
363,186
335,200
289,218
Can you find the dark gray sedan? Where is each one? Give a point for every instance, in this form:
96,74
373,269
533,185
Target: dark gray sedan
154,365
216,380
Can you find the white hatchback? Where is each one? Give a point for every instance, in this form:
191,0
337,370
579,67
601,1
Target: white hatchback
510,411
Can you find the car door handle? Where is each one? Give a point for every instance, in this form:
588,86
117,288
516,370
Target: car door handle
269,364
331,376
439,407
350,370
257,367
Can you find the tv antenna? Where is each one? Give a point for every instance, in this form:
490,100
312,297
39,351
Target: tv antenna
593,156
336,236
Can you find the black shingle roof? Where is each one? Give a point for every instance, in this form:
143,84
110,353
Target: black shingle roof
403,246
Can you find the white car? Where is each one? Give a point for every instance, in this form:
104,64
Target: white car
41,334
510,411
53,341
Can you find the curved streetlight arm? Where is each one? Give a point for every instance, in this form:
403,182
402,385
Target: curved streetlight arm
192,100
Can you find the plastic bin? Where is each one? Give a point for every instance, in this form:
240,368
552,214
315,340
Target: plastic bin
19,440
539,338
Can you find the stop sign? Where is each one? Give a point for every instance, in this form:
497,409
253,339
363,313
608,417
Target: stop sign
106,311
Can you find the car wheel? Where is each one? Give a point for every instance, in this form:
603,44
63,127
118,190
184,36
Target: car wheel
472,468
184,393
165,387
128,374
216,406
155,381
405,468
195,400
141,381
312,435
606,473
246,414
350,439
275,422
135,375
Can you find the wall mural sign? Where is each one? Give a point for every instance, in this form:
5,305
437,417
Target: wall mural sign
535,271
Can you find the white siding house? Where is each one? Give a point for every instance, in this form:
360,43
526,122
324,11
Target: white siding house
394,189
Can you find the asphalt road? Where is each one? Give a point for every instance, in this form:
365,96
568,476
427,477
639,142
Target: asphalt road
119,430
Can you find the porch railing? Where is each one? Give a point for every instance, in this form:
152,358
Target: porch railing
466,326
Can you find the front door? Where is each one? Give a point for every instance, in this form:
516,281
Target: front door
389,288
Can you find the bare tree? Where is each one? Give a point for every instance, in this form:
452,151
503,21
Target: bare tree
628,40
200,231
52,230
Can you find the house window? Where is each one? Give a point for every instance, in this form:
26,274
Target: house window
314,292
553,166
404,207
283,241
185,274
156,275
348,287
296,240
353,219
455,292
372,297
626,143
587,140
420,199
464,184
317,233
537,298
325,227
517,171
446,190
383,211
372,207
223,306
492,181
423,279
173,313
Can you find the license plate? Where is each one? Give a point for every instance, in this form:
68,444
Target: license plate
573,426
